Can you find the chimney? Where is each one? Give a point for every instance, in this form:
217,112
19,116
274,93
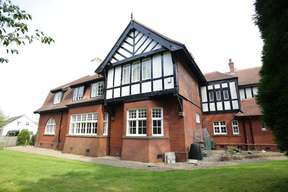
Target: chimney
231,66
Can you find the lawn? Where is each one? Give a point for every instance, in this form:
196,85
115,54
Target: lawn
28,172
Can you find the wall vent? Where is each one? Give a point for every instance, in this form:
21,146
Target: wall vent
87,150
71,148
51,145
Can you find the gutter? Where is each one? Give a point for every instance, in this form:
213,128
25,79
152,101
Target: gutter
251,129
245,134
59,140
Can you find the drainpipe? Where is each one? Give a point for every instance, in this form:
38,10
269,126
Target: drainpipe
59,131
252,135
245,135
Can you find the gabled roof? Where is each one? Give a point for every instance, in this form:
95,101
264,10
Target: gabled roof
136,40
247,76
215,76
68,94
249,107
13,118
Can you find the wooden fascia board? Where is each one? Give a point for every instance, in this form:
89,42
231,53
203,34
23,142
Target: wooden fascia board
172,46
114,49
163,41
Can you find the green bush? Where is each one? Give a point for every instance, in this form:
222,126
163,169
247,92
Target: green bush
24,136
32,140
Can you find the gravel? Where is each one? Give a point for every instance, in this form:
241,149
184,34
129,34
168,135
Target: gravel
207,162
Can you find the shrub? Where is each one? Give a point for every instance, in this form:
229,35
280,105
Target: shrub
2,145
24,136
32,140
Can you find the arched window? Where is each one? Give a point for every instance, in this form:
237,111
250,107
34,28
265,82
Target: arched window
50,126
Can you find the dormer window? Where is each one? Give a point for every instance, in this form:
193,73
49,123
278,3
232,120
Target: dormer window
57,97
97,89
78,93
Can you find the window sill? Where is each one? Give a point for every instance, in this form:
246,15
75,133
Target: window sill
220,135
93,136
146,137
236,135
264,130
49,134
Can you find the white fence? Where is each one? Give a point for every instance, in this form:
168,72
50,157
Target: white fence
9,141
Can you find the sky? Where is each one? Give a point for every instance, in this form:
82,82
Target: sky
213,31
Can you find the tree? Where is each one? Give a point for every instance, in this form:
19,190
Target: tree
14,31
2,119
272,20
23,137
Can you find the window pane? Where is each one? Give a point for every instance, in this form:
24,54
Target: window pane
93,89
126,74
211,96
100,89
225,94
146,69
136,71
142,113
218,95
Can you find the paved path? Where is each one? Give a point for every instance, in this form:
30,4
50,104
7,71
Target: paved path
208,162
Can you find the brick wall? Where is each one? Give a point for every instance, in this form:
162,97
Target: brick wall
90,146
262,139
51,141
188,83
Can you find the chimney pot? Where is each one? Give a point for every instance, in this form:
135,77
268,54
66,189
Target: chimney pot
231,66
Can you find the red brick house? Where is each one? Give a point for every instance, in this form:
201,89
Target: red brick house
147,98
230,112
148,102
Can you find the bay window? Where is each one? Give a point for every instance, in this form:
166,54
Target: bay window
84,124
136,122
157,122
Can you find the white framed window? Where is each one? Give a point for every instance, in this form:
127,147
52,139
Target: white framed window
27,123
219,127
57,97
136,122
211,96
97,89
263,126
225,94
78,93
50,126
105,127
197,118
136,71
235,127
157,122
84,124
218,95
146,69
126,74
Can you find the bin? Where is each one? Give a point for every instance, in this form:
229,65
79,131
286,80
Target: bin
195,152
212,143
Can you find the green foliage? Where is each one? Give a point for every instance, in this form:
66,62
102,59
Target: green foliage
2,119
14,31
24,172
2,145
272,20
23,137
32,140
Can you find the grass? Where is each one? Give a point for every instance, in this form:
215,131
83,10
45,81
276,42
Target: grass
28,172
